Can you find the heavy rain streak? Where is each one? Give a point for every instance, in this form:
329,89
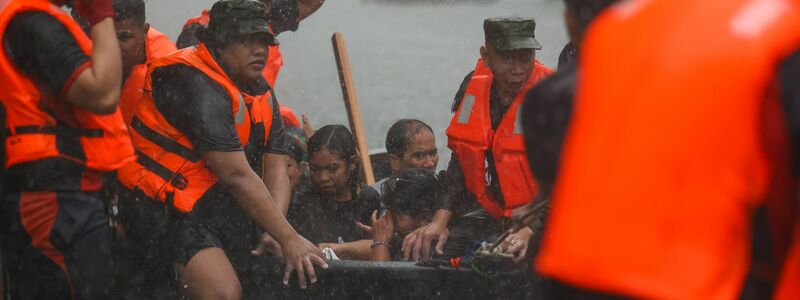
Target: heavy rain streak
400,149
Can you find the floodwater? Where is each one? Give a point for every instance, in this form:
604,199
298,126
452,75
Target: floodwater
408,57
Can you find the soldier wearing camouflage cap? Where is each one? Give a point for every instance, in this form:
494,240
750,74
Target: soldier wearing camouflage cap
204,132
488,174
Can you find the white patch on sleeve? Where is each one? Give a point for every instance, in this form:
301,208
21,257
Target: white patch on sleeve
757,16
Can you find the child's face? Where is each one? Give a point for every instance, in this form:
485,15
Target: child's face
328,173
405,224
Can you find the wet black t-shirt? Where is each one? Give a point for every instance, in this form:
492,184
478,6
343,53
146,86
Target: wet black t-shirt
322,219
29,42
200,108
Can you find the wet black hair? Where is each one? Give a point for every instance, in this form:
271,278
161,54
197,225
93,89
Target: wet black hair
129,10
401,132
412,192
340,142
586,10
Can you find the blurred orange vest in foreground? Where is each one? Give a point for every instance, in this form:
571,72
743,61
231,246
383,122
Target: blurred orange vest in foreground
674,141
168,168
470,135
36,121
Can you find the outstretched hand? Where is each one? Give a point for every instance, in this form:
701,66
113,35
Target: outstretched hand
417,245
300,256
267,245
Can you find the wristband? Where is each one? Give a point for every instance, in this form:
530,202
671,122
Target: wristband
379,243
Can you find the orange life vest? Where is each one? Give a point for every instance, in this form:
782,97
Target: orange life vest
168,168
156,45
101,141
289,118
274,58
470,135
668,155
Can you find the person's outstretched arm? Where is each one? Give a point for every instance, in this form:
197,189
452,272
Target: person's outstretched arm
253,197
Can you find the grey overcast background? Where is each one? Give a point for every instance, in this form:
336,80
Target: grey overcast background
408,56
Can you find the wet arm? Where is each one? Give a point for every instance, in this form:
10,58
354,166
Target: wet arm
250,193
274,168
277,181
381,253
356,250
97,88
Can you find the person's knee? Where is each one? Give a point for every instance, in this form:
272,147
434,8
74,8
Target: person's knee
228,292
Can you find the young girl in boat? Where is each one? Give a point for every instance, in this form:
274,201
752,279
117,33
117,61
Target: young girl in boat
409,198
338,198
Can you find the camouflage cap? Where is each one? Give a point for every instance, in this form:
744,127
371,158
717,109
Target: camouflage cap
236,18
511,33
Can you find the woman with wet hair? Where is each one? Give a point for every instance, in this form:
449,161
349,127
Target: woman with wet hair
338,198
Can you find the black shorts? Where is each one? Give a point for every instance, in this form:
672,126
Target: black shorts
57,245
143,268
217,221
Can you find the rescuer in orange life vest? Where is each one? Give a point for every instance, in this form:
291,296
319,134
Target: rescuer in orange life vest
669,162
63,133
140,44
201,135
488,172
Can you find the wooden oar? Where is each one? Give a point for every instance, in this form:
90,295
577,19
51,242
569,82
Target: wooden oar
351,104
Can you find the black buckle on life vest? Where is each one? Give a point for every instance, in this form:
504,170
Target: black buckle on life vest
179,182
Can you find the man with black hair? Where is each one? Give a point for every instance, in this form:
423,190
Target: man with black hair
203,134
63,135
140,44
410,144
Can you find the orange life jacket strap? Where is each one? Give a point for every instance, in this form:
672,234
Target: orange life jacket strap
163,141
178,180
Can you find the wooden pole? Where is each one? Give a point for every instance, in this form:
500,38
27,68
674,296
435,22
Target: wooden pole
351,104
